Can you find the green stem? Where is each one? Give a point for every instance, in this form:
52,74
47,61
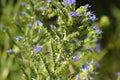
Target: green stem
61,8
8,32
45,65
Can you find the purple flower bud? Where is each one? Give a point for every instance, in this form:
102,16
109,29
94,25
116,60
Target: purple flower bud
118,74
49,0
30,25
23,4
37,49
69,2
37,22
72,13
52,26
87,6
75,58
98,31
10,51
19,38
93,18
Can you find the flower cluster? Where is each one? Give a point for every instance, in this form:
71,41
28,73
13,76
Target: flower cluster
57,40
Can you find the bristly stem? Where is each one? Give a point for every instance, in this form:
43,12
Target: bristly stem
45,65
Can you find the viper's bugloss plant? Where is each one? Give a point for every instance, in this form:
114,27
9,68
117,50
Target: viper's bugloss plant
58,41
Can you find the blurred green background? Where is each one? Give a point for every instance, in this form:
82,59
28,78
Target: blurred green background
108,14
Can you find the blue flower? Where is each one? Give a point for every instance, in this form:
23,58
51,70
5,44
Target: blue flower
87,6
37,22
37,49
69,2
23,4
95,40
97,64
85,68
30,25
49,0
72,13
98,48
93,17
90,48
89,13
19,38
75,58
98,31
95,27
10,51
118,74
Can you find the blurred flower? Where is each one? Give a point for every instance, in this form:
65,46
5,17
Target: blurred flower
75,58
87,6
77,77
37,49
49,0
95,27
69,2
37,22
93,17
97,64
10,51
98,31
18,38
95,40
52,26
90,48
30,25
85,68
89,13
72,13
98,48
23,4
118,74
